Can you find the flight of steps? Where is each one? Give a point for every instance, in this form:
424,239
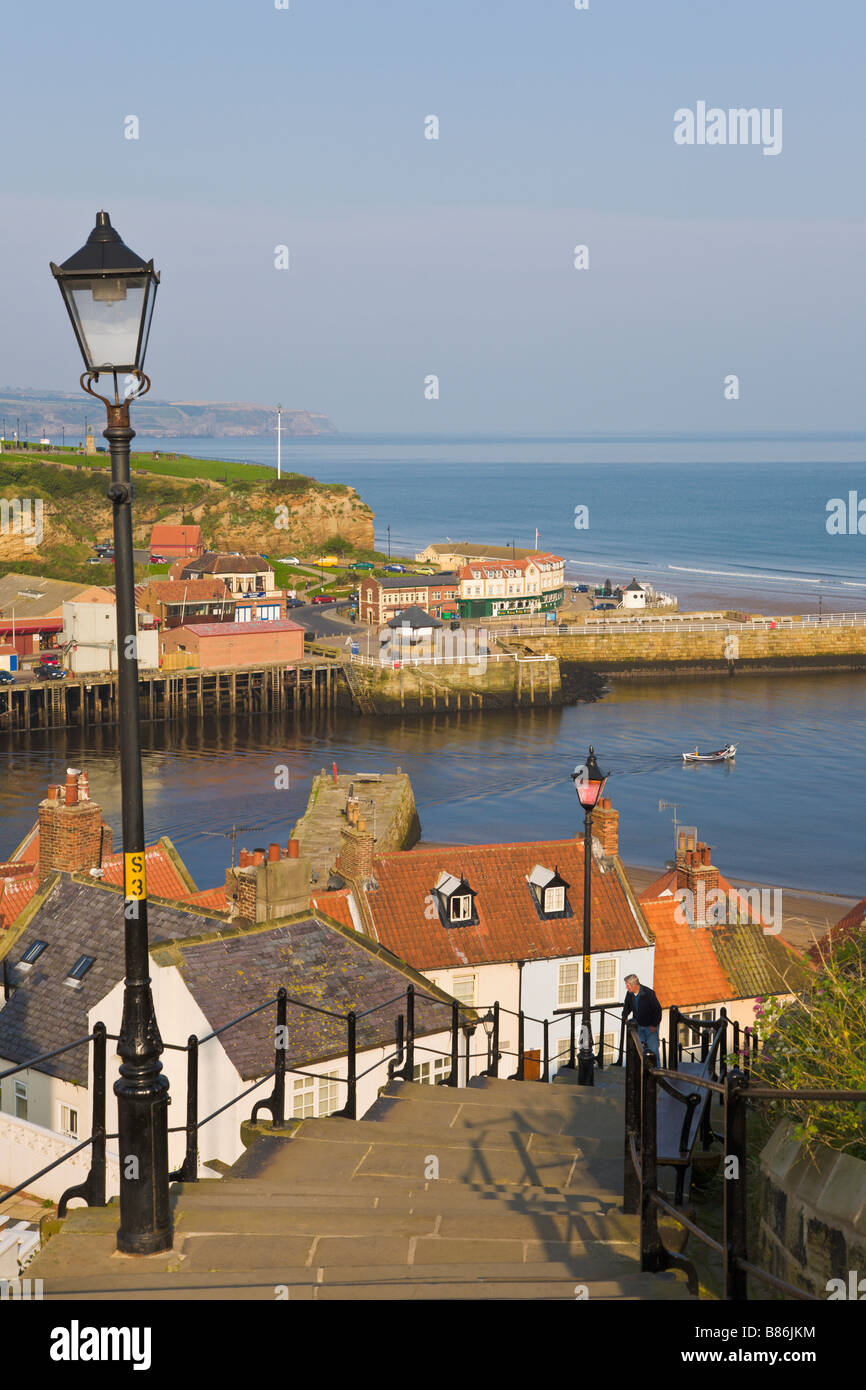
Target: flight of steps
526,1204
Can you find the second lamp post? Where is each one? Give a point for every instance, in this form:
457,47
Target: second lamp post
589,783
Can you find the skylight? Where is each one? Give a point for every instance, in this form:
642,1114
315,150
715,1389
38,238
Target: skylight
32,954
79,970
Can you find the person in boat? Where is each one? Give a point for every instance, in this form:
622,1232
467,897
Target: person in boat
696,750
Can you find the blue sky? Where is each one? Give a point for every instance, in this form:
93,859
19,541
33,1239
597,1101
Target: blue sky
305,127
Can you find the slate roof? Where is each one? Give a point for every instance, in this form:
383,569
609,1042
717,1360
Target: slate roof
446,579
189,590
166,874
213,562
414,619
326,966
76,918
37,598
509,927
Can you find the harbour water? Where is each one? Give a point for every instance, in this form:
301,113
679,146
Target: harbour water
788,812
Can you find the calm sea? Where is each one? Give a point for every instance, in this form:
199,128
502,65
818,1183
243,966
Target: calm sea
788,813
703,518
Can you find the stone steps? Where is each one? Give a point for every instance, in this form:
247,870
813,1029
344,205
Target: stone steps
526,1205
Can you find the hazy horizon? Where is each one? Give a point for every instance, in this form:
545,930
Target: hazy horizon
258,128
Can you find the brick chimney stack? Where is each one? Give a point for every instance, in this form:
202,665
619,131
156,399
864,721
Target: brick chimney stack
72,836
696,871
355,859
605,826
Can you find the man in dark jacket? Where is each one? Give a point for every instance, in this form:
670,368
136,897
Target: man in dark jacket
643,1004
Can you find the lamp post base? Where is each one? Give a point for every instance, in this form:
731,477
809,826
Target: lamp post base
145,1209
585,1069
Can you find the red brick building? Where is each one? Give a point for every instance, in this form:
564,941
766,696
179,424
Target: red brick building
174,541
236,644
382,599
176,601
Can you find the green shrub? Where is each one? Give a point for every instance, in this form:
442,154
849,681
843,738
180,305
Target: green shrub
818,1042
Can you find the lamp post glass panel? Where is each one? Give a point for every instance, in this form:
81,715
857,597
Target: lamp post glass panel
109,293
589,783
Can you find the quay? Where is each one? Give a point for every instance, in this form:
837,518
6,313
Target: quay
85,701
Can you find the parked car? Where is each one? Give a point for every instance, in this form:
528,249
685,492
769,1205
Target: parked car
581,588
295,603
597,606
288,560
49,659
395,569
362,565
324,598
328,561
95,559
158,560
7,677
50,673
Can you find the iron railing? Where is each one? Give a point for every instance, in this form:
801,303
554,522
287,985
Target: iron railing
644,1080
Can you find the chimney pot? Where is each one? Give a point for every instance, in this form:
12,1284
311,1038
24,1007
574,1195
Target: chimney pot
244,859
258,856
83,786
71,787
294,849
706,854
273,853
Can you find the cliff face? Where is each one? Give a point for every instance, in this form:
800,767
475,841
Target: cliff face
52,514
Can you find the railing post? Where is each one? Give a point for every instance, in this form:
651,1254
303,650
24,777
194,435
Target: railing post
350,1109
747,1051
651,1249
188,1170
93,1187
545,1071
673,1026
723,1048
630,1180
705,1044
409,1069
599,1061
397,1061
737,1041
734,1192
452,1079
276,1102
469,1034
279,1097
571,1048
519,1075
494,1060
622,1037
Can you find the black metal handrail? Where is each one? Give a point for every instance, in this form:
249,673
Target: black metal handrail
640,1163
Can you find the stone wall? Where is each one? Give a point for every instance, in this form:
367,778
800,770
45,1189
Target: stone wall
813,1214
816,648
429,688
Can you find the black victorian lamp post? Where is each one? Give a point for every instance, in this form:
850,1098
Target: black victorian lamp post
589,783
109,292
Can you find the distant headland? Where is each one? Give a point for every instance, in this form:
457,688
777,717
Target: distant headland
41,412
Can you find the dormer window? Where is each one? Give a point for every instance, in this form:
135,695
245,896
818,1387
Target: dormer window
456,901
548,892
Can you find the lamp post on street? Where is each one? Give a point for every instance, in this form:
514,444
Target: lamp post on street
109,293
589,783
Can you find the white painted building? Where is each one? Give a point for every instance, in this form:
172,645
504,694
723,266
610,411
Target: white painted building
90,634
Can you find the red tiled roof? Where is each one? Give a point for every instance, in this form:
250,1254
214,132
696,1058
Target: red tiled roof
15,894
164,878
208,897
174,535
686,971
851,925
509,928
335,905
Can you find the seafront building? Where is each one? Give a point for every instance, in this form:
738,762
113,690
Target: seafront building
480,589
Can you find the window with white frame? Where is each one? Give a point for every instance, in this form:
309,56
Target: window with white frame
610,1052
67,1120
605,980
463,989
460,907
554,899
315,1095
569,983
428,1073
690,1038
19,1092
